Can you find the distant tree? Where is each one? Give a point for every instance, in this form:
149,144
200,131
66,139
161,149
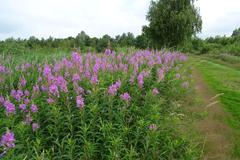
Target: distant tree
172,22
141,42
236,33
82,39
32,42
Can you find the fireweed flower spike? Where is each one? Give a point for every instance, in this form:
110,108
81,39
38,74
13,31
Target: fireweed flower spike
8,140
22,107
76,77
34,108
50,101
2,99
80,102
35,127
126,97
10,108
155,91
112,90
23,82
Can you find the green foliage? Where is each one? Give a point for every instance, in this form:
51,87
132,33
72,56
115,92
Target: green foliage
236,33
214,45
172,22
81,43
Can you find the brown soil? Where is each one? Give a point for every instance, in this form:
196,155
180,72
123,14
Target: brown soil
216,133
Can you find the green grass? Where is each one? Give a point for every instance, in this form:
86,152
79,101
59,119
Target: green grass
226,80
224,59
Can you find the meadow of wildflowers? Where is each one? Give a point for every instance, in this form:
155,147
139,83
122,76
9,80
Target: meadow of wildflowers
93,106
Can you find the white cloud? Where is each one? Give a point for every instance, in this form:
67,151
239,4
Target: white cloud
62,18
220,17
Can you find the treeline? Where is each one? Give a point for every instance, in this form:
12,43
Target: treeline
82,42
215,45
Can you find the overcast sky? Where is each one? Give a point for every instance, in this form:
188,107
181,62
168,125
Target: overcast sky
63,18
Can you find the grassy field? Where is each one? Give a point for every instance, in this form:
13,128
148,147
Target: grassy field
224,80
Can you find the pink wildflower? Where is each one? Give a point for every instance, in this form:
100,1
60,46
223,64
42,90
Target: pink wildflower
8,140
80,101
126,97
10,108
155,91
35,127
34,108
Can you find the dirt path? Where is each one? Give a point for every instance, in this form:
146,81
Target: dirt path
216,133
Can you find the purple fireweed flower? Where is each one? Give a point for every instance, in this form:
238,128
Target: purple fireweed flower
79,90
36,88
35,127
27,65
8,140
66,74
107,52
47,70
152,127
10,108
22,107
50,101
20,93
53,89
26,101
28,119
76,57
159,59
118,84
34,108
80,101
57,67
44,88
126,97
76,77
94,79
40,79
2,69
2,99
140,80
17,94
112,90
88,74
131,80
62,83
155,91
96,67
182,57
23,82
26,93
160,74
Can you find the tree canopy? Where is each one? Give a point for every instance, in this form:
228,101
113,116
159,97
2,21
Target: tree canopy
172,22
236,32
